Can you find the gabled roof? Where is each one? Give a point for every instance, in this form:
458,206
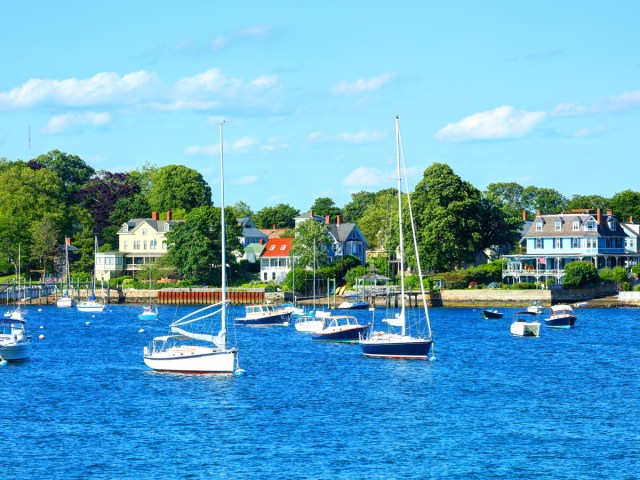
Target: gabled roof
341,232
273,232
566,227
254,248
253,233
157,225
277,247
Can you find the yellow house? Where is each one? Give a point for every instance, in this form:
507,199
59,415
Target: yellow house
141,241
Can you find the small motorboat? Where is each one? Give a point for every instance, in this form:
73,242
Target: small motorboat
15,344
311,322
561,317
535,307
357,305
148,313
264,316
525,324
341,328
490,314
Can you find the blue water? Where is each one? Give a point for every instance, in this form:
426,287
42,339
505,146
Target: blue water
564,405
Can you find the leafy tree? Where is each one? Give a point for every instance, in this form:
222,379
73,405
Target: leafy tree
354,210
44,242
281,215
587,202
324,206
547,200
626,204
194,246
84,241
311,236
379,222
496,227
580,274
102,193
177,186
71,169
241,209
448,221
124,209
508,196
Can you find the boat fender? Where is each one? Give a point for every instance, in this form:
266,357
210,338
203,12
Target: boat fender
239,373
3,362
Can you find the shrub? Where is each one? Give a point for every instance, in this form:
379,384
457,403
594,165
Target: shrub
636,288
580,274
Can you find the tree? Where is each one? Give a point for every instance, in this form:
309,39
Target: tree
324,206
379,222
448,223
547,200
71,169
580,274
587,202
241,209
177,186
496,226
84,241
311,236
44,243
194,246
282,216
124,209
626,204
508,196
102,193
354,210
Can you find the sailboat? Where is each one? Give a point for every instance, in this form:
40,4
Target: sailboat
66,300
314,320
193,346
148,311
91,304
414,341
17,313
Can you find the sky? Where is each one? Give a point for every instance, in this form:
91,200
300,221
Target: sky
540,93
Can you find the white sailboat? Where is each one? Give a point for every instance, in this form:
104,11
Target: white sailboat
18,313
314,320
193,346
414,341
91,304
66,300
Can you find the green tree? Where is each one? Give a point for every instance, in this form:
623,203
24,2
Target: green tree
379,222
354,210
177,186
496,226
241,209
281,215
626,204
508,196
71,169
547,200
194,246
325,206
44,243
84,241
448,223
587,202
580,274
124,209
311,236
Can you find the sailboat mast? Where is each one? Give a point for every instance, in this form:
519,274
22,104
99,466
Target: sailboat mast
223,330
400,233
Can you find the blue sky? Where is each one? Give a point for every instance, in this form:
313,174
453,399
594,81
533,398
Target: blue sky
541,93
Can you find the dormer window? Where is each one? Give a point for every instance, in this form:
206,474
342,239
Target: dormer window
539,226
272,247
576,225
283,247
591,226
166,227
557,225
612,225
144,231
125,227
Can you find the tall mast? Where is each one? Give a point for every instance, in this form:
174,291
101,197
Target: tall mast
400,233
223,330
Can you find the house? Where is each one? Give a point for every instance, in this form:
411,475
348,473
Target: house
632,230
275,260
553,241
250,233
346,238
141,241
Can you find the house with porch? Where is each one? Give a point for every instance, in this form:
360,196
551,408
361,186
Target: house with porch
554,241
141,241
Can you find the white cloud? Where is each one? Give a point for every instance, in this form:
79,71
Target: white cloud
248,180
102,88
202,150
363,136
618,103
259,31
363,85
74,121
501,123
365,177
242,145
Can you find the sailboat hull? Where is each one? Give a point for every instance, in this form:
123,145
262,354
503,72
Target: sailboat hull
396,346
194,360
65,302
90,307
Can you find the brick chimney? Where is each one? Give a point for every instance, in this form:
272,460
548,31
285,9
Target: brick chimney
169,214
327,219
339,220
609,212
154,216
539,213
311,213
599,216
524,215
630,219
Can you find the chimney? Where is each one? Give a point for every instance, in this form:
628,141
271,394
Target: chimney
630,219
539,213
609,212
327,219
339,220
154,216
524,215
169,213
261,242
67,240
599,216
274,226
311,213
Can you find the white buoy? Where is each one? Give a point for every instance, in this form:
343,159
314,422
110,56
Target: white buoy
240,373
87,323
41,326
141,330
41,337
39,309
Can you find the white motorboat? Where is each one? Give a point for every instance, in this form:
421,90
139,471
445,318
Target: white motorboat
561,316
525,325
264,316
536,307
15,344
148,313
193,346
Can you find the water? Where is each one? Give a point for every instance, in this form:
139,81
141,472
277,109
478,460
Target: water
564,405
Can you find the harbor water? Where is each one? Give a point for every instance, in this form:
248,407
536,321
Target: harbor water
561,406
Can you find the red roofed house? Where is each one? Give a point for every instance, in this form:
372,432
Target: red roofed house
275,261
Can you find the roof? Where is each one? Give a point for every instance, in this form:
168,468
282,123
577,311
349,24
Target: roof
157,225
254,248
341,232
566,227
277,247
251,232
273,232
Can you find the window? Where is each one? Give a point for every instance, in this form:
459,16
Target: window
557,243
591,243
164,245
144,231
608,243
153,244
144,245
576,225
612,225
575,243
538,243
557,225
125,227
538,226
283,247
100,260
591,226
118,261
136,244
166,227
272,247
125,245
618,243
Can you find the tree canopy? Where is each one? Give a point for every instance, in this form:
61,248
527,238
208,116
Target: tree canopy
177,186
281,215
